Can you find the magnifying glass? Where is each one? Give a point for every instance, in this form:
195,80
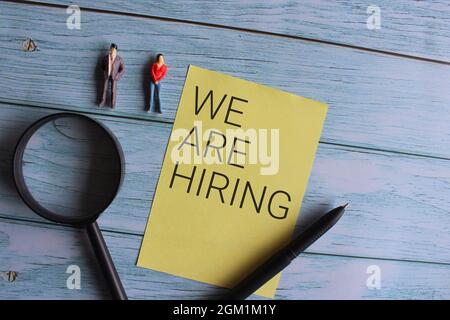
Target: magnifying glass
68,168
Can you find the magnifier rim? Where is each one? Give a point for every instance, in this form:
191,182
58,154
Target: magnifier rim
24,192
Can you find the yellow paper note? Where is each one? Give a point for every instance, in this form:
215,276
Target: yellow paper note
232,181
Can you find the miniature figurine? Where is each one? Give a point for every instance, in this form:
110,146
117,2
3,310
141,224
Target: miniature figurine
113,69
158,71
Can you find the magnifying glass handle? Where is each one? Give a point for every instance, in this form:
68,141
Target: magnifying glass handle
106,262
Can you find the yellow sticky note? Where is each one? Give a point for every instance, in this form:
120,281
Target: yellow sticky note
232,181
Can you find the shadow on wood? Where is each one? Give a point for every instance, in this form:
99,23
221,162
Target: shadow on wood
99,76
78,161
88,252
309,215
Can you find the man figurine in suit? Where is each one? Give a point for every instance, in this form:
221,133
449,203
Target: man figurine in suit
113,69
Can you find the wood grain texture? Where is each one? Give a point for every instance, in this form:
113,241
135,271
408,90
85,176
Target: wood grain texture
94,175
376,101
417,28
398,218
41,254
399,203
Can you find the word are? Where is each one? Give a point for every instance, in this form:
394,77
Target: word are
235,147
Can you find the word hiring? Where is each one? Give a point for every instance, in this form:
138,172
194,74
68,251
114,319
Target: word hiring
235,147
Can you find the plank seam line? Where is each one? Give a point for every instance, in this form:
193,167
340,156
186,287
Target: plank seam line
56,107
170,122
241,29
375,258
312,253
405,153
67,227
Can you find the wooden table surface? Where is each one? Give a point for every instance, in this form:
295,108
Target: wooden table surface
385,147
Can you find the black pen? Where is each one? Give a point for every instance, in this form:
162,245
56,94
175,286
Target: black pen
283,258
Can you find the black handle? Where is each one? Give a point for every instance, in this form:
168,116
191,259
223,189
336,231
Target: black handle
106,263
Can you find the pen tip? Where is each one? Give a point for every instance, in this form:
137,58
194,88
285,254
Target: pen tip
345,205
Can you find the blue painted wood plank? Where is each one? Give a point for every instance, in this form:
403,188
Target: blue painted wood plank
399,203
418,28
41,254
392,191
373,98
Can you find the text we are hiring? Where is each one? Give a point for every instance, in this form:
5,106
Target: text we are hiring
234,147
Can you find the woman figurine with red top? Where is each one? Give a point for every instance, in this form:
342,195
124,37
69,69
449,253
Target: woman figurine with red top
158,71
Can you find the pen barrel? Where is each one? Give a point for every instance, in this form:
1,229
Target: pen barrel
283,258
315,231
260,276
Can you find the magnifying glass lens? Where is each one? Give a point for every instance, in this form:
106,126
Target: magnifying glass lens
70,166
